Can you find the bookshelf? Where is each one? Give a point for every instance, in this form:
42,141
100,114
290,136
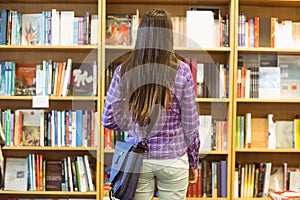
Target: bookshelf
282,109
229,108
36,54
208,106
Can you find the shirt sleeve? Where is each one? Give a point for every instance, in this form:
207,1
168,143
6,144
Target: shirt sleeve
190,120
112,116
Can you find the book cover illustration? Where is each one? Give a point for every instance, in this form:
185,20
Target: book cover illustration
269,83
82,79
32,29
16,174
31,127
118,29
290,76
25,80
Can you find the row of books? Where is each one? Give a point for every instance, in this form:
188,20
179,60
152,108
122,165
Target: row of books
267,32
112,136
266,132
49,78
121,28
268,76
51,27
261,179
212,132
34,127
34,173
212,180
211,80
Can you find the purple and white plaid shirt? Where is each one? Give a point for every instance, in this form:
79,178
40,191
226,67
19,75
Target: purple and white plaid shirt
177,129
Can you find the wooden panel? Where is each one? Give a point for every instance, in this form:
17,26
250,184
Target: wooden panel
79,8
282,13
281,111
173,10
37,56
56,105
275,158
169,1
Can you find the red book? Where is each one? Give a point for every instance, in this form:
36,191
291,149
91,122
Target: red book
108,138
199,181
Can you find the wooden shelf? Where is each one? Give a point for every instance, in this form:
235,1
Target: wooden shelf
281,3
50,1
267,150
47,193
48,48
268,101
129,48
201,153
46,148
191,2
68,98
212,100
268,50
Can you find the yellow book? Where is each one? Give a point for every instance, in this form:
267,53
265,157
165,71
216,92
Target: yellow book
297,133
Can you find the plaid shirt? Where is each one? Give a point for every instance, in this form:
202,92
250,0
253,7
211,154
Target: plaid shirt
177,129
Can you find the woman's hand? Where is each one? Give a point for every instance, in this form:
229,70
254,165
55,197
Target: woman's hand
193,176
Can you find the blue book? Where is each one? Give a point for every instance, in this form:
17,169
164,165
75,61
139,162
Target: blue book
2,78
3,27
223,178
30,172
79,115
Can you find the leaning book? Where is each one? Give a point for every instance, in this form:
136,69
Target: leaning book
32,29
16,174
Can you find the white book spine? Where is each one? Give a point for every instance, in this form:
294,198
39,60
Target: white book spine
88,173
95,78
70,174
66,27
248,130
67,78
55,27
81,171
94,30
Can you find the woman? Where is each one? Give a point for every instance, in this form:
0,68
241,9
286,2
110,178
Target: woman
151,96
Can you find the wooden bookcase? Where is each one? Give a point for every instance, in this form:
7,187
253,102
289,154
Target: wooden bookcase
35,55
282,109
229,107
207,106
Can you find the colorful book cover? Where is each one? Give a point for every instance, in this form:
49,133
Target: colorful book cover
31,127
32,29
82,79
118,29
25,80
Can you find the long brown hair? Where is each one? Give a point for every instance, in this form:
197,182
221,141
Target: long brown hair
153,64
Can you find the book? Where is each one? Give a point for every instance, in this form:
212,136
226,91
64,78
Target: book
195,21
269,83
31,127
67,22
284,131
82,79
32,29
3,26
53,176
16,174
25,84
290,76
118,29
259,135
